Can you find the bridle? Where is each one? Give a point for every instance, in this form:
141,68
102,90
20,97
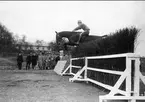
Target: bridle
58,38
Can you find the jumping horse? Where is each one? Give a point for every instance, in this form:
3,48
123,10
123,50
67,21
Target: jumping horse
72,40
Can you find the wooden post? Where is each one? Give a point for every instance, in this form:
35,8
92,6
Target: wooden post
136,78
70,69
128,78
86,64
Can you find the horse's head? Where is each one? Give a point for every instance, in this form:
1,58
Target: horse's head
62,37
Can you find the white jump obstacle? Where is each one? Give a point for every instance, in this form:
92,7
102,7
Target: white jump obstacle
131,76
68,70
59,67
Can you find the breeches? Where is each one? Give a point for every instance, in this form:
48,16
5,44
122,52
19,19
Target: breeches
74,38
85,33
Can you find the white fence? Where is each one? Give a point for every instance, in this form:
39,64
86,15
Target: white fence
68,70
131,76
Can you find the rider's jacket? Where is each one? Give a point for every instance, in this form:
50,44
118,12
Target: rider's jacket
82,26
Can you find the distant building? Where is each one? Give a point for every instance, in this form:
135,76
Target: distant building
33,47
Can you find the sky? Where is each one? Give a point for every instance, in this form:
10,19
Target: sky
39,20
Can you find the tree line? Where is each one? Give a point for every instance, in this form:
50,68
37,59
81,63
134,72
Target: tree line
12,43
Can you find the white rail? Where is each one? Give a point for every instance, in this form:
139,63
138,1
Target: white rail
131,93
68,70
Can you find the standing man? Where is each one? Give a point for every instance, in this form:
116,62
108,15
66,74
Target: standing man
28,61
86,30
19,61
47,60
34,60
57,59
40,60
44,58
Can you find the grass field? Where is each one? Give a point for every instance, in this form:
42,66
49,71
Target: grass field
7,63
10,63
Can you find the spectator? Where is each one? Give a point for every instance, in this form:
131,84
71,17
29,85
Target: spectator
47,61
19,61
34,60
28,61
52,62
44,60
40,61
57,59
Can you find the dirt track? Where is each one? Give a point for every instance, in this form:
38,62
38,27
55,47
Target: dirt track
43,86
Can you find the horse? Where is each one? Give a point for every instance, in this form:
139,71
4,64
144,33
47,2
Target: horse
72,40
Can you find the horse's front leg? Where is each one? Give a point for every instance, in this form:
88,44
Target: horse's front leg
65,46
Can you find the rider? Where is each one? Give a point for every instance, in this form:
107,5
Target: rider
84,27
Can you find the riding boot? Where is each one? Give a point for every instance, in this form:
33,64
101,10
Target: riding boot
77,43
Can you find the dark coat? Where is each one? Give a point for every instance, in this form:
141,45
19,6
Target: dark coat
57,59
19,59
29,59
34,59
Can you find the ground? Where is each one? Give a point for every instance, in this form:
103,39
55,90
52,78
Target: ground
43,86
